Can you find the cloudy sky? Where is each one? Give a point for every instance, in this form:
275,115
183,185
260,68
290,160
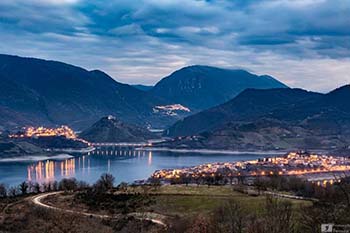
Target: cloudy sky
304,43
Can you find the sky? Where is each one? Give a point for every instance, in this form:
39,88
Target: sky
303,43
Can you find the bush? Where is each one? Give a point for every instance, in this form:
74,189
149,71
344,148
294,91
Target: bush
105,183
68,184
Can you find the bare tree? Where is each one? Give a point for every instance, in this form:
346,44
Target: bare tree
68,184
229,217
105,183
13,191
3,190
343,186
23,187
35,187
280,214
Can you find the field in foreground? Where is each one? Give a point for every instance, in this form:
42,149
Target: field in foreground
137,209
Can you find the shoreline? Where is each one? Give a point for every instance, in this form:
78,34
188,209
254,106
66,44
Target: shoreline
211,151
56,154
35,158
71,150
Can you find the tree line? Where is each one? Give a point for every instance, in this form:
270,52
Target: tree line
104,183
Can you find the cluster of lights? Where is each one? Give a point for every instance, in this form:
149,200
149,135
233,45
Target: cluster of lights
46,132
292,164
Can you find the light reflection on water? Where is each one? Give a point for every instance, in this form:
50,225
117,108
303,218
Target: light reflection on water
44,171
125,164
49,170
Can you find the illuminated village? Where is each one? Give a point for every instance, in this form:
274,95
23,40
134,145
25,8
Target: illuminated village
46,132
320,169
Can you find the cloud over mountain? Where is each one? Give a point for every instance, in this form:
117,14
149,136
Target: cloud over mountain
303,42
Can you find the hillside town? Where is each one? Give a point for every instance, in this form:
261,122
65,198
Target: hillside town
321,169
45,132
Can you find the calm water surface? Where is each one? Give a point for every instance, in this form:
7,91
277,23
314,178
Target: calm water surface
125,164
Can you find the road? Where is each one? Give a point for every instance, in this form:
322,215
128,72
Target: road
274,194
148,216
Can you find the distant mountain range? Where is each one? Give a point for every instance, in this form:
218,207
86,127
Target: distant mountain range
270,119
110,129
40,92
201,87
250,105
233,109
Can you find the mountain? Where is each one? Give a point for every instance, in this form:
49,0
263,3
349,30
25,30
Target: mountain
142,87
271,119
40,92
201,87
109,129
247,106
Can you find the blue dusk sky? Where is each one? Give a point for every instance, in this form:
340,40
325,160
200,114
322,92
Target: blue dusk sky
303,43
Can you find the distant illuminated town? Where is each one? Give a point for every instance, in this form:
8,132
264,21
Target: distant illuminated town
46,132
321,169
39,132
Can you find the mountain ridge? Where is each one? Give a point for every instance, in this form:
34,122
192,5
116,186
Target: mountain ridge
59,93
315,121
200,87
249,104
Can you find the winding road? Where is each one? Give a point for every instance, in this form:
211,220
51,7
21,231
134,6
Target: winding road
148,216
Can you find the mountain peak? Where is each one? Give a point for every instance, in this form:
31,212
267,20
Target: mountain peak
202,68
200,87
110,129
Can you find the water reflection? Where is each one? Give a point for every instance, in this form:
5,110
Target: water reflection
125,164
50,170
44,171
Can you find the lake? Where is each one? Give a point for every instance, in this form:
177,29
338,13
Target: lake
125,164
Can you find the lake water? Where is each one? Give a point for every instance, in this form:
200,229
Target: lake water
125,164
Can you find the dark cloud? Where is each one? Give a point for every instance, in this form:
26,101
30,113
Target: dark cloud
143,40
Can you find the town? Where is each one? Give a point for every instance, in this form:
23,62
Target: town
319,169
45,132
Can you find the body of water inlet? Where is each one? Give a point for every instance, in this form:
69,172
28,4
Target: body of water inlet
126,164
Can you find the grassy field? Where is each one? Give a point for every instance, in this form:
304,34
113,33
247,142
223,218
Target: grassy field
176,204
182,200
175,200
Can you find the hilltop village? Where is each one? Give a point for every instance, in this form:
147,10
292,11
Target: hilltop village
321,169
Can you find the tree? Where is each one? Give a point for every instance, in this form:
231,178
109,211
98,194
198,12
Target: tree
54,186
83,185
35,188
259,184
13,191
3,190
23,187
229,217
68,184
209,180
105,183
155,183
280,214
47,187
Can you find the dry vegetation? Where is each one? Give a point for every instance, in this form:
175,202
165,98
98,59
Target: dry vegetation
183,208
